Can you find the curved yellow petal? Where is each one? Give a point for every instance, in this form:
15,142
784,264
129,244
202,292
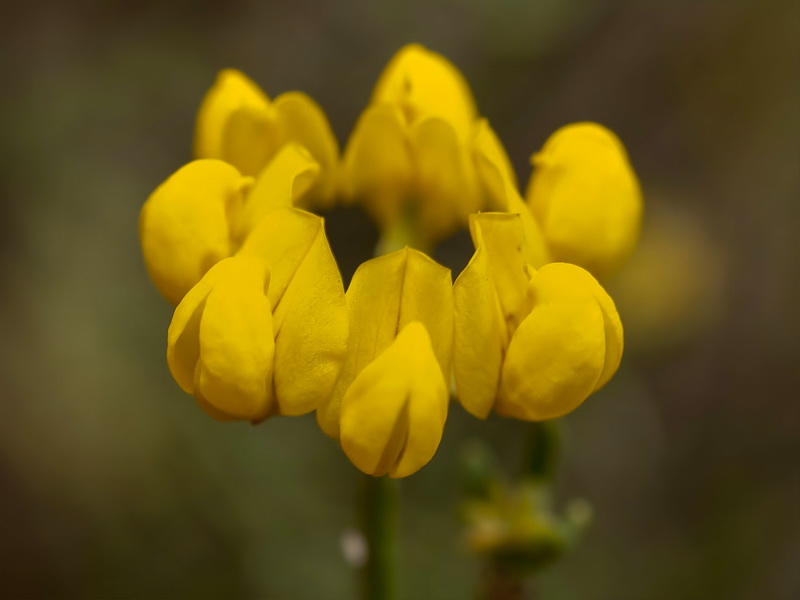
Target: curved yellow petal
287,177
393,414
422,82
386,294
234,123
553,362
500,185
185,225
494,166
220,344
311,329
303,122
480,336
561,280
502,237
378,168
586,197
568,345
446,183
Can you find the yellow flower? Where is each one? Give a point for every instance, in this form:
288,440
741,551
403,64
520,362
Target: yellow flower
390,403
585,195
408,160
237,123
532,344
264,332
203,212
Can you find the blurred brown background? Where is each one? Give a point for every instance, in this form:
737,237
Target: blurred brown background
114,485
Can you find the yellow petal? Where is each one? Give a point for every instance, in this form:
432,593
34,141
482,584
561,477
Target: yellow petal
303,121
480,336
569,344
385,295
422,82
185,224
220,342
586,197
287,177
234,123
378,167
311,329
447,186
561,280
493,165
500,184
282,240
502,237
394,412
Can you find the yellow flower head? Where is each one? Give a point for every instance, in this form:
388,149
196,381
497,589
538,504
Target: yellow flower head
408,159
239,124
263,326
548,337
390,403
586,197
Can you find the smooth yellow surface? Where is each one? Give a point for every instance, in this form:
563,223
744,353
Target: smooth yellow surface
393,413
567,346
238,123
424,83
285,179
185,225
531,344
386,294
586,197
310,312
220,344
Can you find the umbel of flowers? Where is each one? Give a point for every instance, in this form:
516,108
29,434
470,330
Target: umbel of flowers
264,327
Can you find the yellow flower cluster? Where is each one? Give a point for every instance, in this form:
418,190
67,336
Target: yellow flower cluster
263,325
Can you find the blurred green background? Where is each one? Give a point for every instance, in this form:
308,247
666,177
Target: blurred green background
114,485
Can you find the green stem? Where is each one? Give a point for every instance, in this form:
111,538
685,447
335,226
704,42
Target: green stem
542,450
379,508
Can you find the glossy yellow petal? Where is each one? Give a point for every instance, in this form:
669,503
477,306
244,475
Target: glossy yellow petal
185,224
287,177
422,82
502,237
221,336
385,295
586,197
557,281
500,186
303,122
393,413
282,240
566,347
480,336
234,123
311,328
378,167
446,183
493,165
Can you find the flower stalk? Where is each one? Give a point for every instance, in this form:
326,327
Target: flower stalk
379,515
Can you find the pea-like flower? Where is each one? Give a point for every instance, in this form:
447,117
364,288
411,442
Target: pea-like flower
239,124
264,332
203,212
390,403
586,197
548,337
409,158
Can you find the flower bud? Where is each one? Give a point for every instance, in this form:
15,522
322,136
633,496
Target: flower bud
586,198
